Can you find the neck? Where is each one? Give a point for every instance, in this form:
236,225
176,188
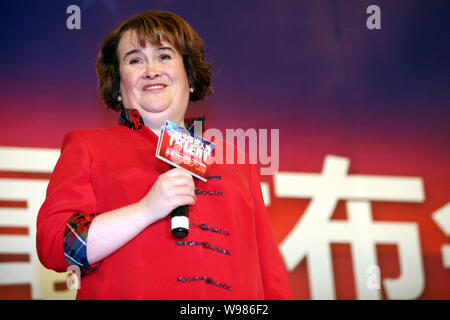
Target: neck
155,126
154,122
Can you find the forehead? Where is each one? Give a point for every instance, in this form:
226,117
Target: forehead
130,40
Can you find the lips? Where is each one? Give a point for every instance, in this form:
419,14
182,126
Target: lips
154,86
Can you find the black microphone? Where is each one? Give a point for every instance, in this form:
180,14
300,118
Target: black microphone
180,221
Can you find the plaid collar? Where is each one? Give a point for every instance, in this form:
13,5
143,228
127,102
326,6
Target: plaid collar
132,119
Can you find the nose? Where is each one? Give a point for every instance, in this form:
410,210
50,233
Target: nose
151,71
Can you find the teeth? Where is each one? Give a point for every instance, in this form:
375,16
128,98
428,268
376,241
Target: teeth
154,87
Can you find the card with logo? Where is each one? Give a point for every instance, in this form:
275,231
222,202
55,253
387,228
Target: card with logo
181,148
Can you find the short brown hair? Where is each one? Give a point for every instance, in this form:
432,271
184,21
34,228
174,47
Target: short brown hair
154,26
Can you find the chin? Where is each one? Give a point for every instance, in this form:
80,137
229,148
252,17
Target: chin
155,108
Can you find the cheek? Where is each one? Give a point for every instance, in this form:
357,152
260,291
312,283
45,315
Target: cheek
178,74
128,79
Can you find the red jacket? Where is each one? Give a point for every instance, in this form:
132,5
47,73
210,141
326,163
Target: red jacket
234,255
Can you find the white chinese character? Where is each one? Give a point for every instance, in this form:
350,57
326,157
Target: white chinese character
33,192
314,232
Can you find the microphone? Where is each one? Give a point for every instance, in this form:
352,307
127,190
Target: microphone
180,220
182,148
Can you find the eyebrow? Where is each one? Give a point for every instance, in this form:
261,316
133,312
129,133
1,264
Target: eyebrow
139,51
166,48
131,52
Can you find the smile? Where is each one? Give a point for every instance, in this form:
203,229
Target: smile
154,87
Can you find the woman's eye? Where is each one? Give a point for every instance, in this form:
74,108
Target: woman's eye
134,61
165,57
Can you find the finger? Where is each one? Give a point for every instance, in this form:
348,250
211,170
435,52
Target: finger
178,172
183,191
179,181
184,200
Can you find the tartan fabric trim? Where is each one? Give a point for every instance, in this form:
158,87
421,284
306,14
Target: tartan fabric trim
190,122
132,119
75,241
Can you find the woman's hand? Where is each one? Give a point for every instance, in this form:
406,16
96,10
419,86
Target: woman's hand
111,230
172,189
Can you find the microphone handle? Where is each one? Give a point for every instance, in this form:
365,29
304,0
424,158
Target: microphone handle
180,222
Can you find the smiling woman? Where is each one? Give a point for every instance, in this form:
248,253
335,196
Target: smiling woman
154,29
109,196
152,80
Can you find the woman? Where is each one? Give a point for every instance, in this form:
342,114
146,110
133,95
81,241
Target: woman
108,200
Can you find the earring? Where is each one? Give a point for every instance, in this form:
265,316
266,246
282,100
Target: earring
191,90
119,98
